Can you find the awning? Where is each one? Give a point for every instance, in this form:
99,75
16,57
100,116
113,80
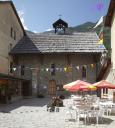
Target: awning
9,77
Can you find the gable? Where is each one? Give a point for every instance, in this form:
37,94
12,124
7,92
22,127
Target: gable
9,16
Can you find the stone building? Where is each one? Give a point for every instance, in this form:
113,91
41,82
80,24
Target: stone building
110,22
53,60
11,31
42,63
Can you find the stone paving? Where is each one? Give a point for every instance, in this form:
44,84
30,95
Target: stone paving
31,113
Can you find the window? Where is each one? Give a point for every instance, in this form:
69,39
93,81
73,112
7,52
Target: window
84,72
14,35
22,70
11,32
52,69
11,67
105,91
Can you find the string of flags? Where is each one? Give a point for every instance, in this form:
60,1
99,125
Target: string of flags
67,68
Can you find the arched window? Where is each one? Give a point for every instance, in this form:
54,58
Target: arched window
84,72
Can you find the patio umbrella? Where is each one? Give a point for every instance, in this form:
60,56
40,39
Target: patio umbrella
104,84
66,86
89,87
82,88
75,85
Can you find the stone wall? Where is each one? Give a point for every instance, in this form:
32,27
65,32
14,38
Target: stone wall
8,20
40,78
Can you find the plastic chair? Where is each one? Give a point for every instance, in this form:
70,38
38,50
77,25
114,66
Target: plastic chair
81,114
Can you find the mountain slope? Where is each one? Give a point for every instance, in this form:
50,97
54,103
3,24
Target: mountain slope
82,28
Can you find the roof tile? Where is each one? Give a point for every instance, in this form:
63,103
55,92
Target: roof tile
42,43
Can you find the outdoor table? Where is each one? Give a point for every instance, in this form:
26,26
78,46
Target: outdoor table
86,113
77,98
107,106
95,106
107,103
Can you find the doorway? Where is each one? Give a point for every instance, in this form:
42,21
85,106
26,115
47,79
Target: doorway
52,87
26,88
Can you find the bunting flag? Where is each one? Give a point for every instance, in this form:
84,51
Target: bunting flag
47,69
92,65
100,22
77,67
67,69
100,38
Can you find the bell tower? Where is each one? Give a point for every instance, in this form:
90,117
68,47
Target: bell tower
60,25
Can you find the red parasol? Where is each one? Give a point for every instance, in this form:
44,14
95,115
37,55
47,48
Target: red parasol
76,85
104,84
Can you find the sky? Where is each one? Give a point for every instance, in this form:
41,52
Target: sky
39,15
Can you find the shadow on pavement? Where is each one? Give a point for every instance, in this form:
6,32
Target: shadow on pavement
103,120
33,102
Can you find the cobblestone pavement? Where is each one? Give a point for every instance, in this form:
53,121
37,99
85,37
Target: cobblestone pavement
32,113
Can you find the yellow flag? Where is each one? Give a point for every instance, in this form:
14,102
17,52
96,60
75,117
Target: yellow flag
65,69
100,41
92,65
100,38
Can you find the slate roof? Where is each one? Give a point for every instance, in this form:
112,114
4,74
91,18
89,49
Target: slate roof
85,42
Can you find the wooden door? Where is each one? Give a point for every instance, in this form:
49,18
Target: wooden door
52,87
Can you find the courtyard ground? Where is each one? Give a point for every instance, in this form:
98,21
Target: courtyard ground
32,113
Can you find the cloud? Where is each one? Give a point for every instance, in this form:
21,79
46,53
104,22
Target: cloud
21,15
50,29
35,31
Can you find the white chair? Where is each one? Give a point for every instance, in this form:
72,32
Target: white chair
107,106
69,113
98,114
81,114
68,116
